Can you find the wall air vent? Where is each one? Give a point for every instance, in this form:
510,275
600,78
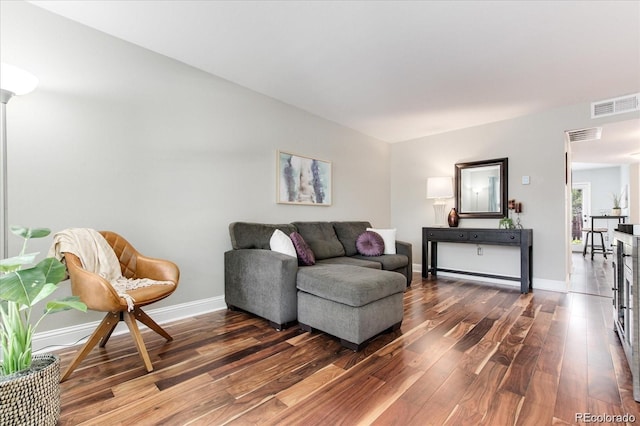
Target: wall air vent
614,106
580,135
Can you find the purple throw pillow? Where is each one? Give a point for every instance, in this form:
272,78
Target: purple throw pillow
370,243
305,254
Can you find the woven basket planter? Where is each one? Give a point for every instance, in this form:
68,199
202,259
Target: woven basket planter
33,397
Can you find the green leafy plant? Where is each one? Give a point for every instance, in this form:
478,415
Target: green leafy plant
506,223
20,289
616,200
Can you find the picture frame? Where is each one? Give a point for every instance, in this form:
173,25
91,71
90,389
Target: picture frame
303,180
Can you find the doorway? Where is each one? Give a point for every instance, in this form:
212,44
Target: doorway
580,213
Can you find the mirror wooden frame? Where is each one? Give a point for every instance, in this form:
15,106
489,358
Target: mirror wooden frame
503,165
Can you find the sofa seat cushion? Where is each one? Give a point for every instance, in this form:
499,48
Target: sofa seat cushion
349,285
344,260
389,262
348,233
322,239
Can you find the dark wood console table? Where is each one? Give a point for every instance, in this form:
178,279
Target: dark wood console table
522,238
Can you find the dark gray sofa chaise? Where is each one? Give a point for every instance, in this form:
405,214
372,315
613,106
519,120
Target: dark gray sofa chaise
272,285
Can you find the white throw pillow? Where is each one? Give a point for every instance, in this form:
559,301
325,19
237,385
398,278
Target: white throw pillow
389,237
281,243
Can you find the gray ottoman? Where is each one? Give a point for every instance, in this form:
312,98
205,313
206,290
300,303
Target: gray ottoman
350,302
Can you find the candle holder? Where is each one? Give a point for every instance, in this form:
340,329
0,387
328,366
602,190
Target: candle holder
516,206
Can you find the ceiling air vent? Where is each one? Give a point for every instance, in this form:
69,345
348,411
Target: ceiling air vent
614,106
590,134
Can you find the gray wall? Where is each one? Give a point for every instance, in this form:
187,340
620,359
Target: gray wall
116,137
535,146
604,182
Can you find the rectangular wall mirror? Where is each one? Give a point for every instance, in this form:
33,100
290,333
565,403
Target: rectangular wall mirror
481,189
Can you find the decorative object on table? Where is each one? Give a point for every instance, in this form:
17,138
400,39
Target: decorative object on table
513,206
616,210
29,385
303,180
506,223
518,210
439,189
13,82
453,218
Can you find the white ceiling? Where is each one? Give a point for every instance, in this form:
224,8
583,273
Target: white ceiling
394,70
618,141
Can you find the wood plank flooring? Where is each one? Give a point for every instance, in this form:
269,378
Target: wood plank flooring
467,353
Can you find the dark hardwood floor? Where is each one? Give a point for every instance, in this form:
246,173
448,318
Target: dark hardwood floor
592,276
467,353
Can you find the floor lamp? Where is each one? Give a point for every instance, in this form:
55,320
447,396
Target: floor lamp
439,189
13,82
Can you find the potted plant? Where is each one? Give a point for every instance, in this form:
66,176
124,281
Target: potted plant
616,210
506,223
21,288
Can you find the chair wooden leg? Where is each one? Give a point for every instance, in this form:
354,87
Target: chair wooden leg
149,322
130,319
107,335
106,326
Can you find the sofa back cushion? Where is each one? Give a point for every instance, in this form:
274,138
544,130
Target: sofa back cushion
348,233
246,235
322,239
303,251
370,243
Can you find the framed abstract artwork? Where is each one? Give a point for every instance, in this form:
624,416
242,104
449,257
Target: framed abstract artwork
303,180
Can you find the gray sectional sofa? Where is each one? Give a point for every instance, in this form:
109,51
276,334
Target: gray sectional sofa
345,294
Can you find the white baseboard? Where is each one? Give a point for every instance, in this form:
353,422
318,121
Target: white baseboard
551,285
56,339
538,283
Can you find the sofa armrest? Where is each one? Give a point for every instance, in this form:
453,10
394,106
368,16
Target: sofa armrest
405,248
262,282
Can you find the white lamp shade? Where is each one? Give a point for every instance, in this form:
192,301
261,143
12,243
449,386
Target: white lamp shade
16,80
439,187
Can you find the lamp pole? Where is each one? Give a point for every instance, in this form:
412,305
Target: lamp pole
5,95
13,81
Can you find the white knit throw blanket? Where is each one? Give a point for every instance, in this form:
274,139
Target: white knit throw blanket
98,257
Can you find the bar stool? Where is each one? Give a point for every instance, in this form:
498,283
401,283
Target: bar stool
594,248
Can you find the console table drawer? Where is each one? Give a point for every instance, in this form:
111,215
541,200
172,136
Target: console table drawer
447,235
489,237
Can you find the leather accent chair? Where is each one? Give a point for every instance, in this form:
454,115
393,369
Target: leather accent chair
99,295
